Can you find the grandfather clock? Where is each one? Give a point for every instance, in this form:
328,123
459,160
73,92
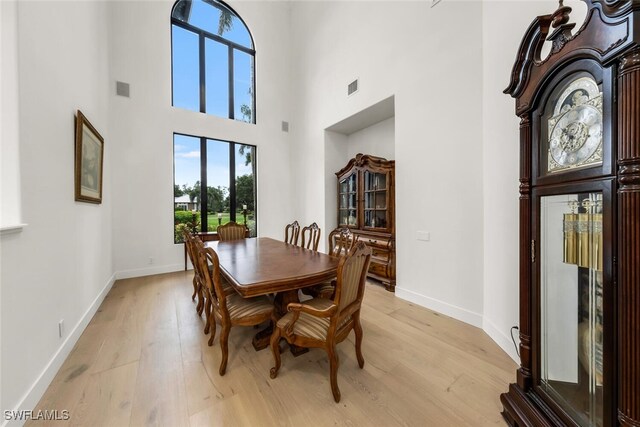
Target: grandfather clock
579,220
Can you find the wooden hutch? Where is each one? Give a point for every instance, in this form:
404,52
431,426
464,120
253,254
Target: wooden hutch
366,205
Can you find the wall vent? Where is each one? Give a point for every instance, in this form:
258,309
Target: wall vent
285,126
122,89
352,88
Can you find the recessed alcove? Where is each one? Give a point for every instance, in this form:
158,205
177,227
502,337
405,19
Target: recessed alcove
369,131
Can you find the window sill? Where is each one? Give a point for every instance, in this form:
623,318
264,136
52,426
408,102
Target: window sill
11,229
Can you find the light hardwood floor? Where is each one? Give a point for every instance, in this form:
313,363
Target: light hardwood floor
143,360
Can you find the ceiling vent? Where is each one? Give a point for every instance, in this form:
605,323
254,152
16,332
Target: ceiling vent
353,87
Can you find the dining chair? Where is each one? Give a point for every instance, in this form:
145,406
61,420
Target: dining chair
311,237
291,233
205,293
231,231
341,240
189,242
323,323
230,309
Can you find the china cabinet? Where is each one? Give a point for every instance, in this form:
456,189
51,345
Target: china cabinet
366,205
579,220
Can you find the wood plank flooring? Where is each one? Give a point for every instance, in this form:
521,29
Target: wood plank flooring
143,360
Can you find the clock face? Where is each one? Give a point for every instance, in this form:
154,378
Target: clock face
575,128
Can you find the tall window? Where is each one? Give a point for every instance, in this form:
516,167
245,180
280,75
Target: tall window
214,183
213,60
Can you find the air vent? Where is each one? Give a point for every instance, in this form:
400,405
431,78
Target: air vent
122,89
285,126
353,87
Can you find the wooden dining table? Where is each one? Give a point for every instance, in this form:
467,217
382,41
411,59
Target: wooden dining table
262,266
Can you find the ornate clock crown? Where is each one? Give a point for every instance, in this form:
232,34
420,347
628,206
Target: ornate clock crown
562,29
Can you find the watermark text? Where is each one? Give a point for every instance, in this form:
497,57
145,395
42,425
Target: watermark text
39,415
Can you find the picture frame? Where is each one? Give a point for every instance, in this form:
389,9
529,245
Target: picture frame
89,161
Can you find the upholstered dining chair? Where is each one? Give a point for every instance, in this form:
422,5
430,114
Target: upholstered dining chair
323,323
341,240
231,231
311,237
230,309
291,233
205,293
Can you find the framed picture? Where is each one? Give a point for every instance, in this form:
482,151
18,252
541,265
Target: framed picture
89,160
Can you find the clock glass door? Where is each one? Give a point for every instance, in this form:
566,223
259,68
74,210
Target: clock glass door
572,126
347,210
571,304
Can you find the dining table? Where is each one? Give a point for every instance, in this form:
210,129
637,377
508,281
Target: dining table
264,266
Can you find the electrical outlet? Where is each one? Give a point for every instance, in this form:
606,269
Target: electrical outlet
61,328
423,235
150,260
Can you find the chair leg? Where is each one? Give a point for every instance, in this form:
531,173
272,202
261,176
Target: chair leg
207,315
212,323
224,346
195,289
200,306
333,364
275,349
357,328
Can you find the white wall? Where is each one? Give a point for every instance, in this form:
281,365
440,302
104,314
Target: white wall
335,158
142,129
377,140
9,121
59,265
409,50
503,26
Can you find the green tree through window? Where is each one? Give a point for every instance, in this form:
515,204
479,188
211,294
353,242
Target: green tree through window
213,180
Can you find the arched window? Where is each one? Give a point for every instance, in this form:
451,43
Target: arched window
213,60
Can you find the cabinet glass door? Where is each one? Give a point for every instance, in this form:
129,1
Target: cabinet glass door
375,200
348,203
571,304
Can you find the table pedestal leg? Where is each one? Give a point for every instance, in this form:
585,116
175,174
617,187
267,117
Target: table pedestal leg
262,338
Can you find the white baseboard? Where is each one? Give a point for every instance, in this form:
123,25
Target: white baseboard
139,272
445,308
503,341
36,391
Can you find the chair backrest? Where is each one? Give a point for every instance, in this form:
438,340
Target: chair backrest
188,243
210,272
341,240
311,237
197,246
351,277
291,233
231,231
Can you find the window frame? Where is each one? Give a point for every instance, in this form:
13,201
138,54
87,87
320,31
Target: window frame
202,36
232,178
